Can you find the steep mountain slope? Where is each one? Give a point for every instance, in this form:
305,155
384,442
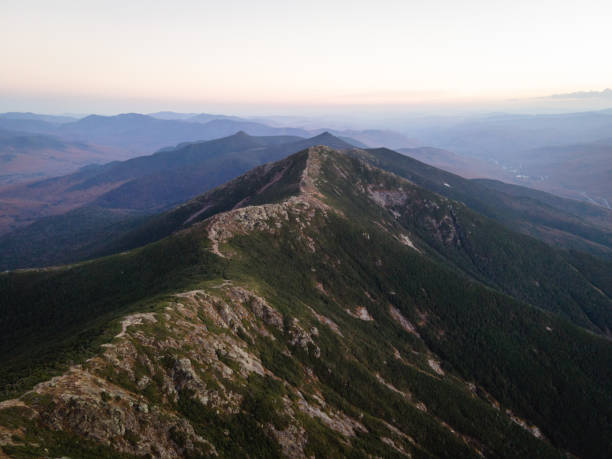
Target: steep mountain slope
175,175
57,195
317,317
121,189
562,222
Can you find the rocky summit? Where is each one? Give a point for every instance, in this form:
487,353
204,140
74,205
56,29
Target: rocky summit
319,306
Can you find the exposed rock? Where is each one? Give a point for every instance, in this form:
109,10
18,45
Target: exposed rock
533,430
360,312
327,321
300,337
259,307
444,229
404,239
269,217
89,406
135,319
336,421
292,440
202,354
395,446
388,198
435,366
390,386
404,323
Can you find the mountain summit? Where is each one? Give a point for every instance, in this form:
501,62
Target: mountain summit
316,306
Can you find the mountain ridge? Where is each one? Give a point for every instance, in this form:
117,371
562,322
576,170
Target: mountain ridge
58,195
327,326
478,258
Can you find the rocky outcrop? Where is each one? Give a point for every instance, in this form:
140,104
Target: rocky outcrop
270,217
402,321
360,312
128,396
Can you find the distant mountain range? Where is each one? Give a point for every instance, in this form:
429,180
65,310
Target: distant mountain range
465,166
125,191
194,117
140,134
103,209
500,137
55,119
527,150
25,156
566,154
581,171
152,182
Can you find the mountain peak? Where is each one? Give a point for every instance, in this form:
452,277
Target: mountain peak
241,134
327,136
329,140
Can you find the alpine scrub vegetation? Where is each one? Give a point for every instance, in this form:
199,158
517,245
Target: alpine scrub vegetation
317,306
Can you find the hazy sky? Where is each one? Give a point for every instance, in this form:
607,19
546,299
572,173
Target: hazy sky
106,55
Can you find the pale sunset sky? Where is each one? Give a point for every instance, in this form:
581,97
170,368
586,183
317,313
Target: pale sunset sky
88,55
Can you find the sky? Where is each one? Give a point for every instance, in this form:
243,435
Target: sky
275,55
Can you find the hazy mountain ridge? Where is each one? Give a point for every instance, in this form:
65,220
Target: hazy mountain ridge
142,185
240,352
522,149
577,171
150,183
464,166
565,154
498,136
58,119
137,133
27,157
58,195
